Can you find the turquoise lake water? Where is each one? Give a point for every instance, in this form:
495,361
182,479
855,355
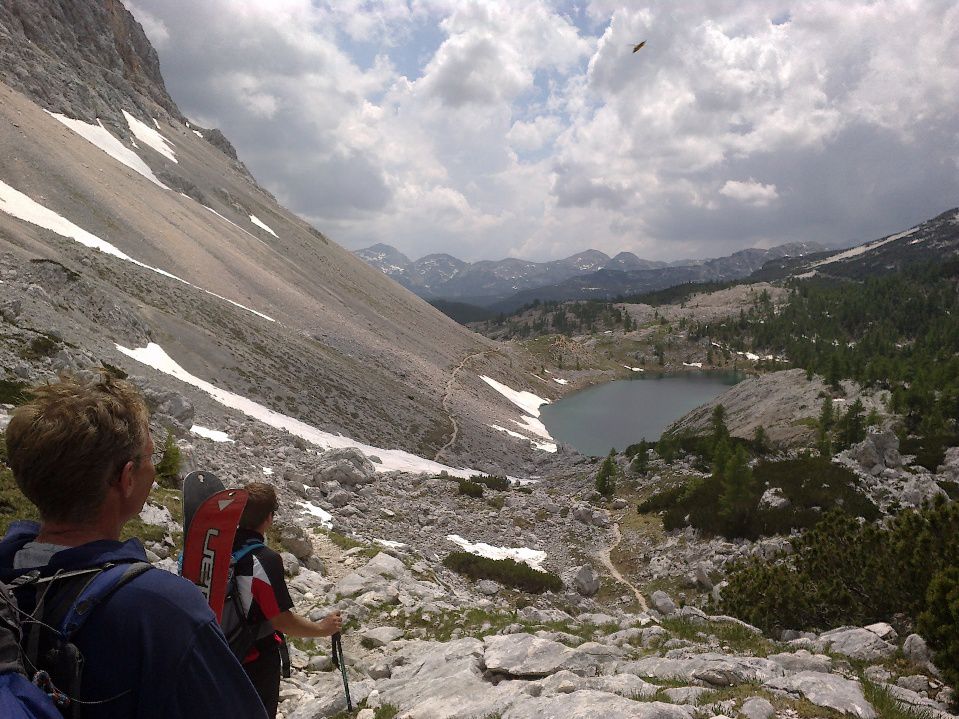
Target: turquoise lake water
623,412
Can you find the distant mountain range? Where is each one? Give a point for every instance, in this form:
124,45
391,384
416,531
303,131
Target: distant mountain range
507,284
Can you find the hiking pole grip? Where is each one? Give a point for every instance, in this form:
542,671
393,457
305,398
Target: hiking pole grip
339,661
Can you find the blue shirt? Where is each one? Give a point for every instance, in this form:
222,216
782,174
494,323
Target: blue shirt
154,641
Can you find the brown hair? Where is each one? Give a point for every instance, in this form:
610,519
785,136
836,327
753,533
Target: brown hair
261,504
66,443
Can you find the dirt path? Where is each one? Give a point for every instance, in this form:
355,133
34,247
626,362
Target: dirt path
604,557
447,396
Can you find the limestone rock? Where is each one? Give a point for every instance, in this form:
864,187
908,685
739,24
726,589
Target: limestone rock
663,604
381,636
589,704
586,581
718,670
857,643
523,655
826,690
916,649
348,466
757,708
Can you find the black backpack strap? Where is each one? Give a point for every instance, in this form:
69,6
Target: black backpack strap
98,590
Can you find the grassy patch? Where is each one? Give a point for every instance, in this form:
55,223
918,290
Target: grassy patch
886,705
13,505
505,571
15,393
734,636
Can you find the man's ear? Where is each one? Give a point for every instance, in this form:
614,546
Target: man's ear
126,483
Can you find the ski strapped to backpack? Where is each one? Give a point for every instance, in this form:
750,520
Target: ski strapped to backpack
38,646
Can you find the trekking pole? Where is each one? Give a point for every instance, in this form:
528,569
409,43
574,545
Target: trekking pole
339,661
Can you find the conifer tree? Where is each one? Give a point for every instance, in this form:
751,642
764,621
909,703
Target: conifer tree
606,477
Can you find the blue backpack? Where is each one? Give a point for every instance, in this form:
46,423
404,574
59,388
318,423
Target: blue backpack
40,666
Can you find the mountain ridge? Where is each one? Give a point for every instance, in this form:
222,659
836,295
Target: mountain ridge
493,283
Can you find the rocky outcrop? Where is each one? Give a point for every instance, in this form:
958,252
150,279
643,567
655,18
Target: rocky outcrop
83,59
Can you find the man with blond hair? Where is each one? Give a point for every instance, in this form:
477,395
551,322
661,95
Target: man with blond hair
265,598
81,452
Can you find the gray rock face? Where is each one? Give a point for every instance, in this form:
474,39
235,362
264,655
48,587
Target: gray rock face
381,636
773,499
83,59
586,581
857,643
295,540
718,670
802,661
662,603
757,708
588,704
916,649
826,690
348,466
523,655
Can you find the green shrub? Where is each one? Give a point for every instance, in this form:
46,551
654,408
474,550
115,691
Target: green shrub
939,623
168,468
845,572
499,484
929,451
470,488
811,484
39,347
505,571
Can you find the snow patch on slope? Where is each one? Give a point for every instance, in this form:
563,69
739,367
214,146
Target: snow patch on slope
260,223
392,459
529,403
150,137
23,208
98,135
532,557
862,249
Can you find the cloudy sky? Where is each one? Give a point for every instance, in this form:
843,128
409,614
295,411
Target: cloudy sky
530,128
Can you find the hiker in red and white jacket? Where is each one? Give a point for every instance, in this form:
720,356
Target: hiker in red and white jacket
266,598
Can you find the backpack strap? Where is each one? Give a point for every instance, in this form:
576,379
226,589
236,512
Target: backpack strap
238,554
96,591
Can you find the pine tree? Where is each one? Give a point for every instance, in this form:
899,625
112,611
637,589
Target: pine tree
168,468
738,499
641,460
606,477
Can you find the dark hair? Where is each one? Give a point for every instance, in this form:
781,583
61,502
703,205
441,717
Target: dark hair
261,504
66,443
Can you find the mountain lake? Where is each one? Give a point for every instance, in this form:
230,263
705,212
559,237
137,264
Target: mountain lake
618,414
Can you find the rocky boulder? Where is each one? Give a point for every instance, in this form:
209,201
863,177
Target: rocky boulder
349,467
826,690
586,581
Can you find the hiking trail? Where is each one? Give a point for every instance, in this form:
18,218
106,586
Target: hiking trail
447,396
604,557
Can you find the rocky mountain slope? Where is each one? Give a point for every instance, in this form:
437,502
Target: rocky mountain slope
933,241
175,244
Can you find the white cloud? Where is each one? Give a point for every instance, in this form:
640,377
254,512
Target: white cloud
749,192
485,129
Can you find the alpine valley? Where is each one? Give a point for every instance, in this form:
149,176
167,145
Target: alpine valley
789,549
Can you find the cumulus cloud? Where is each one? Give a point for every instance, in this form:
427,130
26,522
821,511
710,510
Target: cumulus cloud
749,192
497,128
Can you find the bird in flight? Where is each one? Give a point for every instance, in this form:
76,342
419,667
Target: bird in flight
637,48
